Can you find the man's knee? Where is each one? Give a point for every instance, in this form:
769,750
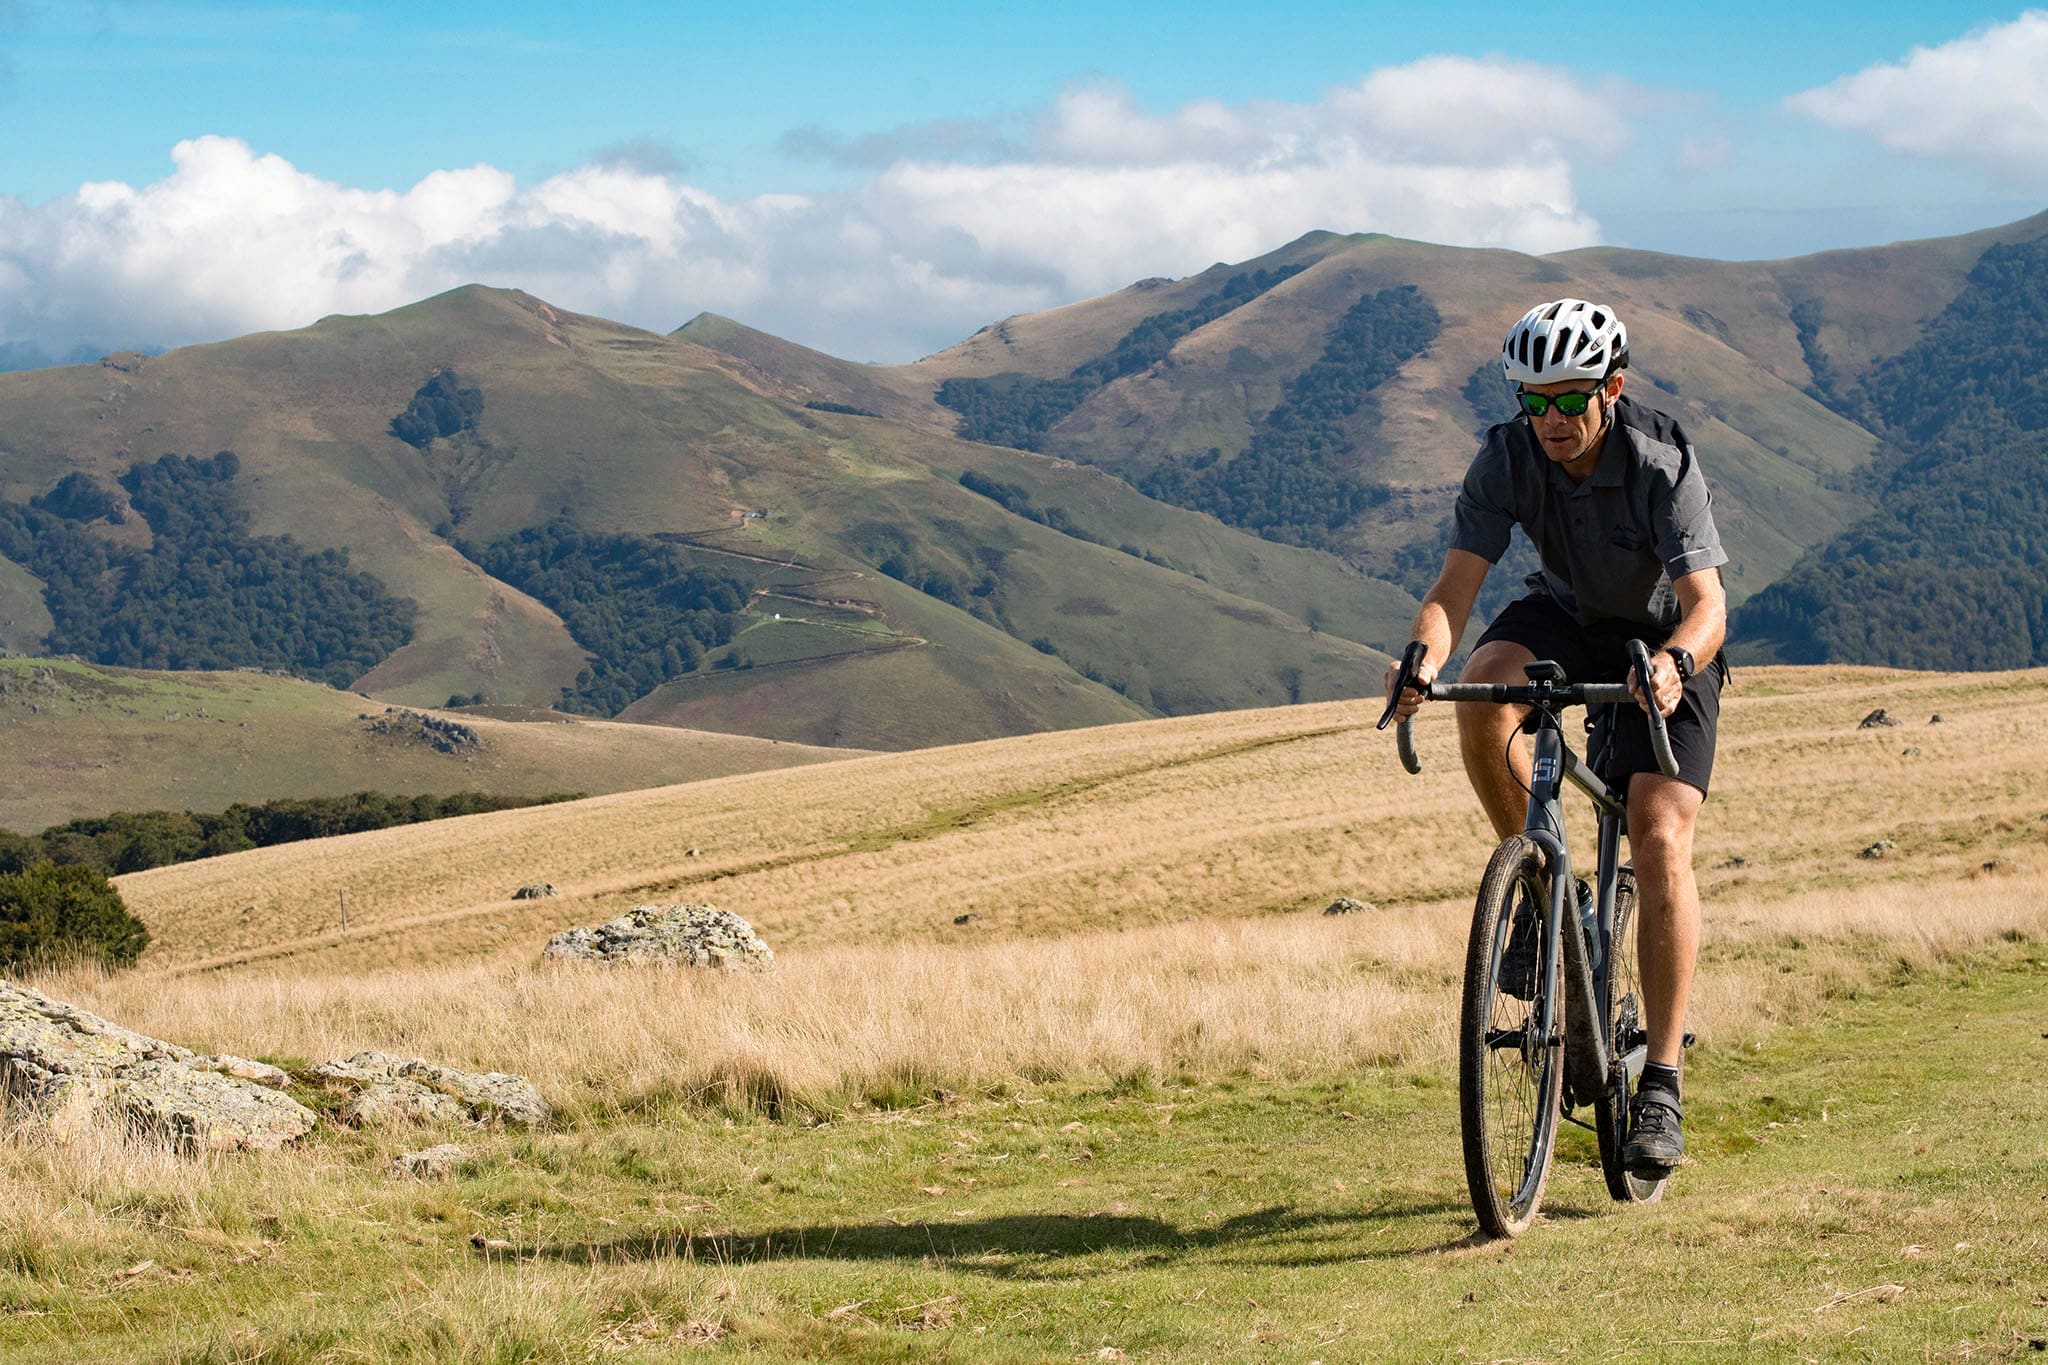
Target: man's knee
1662,814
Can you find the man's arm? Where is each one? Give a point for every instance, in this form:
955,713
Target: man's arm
1446,608
1700,630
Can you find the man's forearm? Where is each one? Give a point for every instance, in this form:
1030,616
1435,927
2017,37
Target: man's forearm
1703,628
1439,627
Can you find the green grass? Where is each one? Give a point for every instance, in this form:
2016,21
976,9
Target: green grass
84,740
1868,1188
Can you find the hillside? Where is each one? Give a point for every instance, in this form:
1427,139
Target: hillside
1157,823
878,601
1059,1060
86,741
1762,361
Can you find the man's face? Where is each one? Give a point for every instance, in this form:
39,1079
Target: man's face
1565,439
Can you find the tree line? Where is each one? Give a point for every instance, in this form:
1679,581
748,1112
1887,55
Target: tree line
635,603
205,593
1292,483
1951,569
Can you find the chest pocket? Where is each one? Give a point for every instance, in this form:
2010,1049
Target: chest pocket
1626,538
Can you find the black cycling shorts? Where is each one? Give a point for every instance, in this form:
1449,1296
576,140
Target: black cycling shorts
1599,653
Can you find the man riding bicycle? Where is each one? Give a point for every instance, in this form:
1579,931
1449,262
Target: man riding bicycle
1612,497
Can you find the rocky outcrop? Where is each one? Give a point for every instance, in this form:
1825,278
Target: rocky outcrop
682,935
76,1068
1877,718
538,891
389,1090
436,732
1347,905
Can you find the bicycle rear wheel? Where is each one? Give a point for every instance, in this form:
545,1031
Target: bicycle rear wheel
1627,1043
1510,1077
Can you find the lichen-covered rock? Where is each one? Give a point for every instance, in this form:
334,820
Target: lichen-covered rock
1347,905
79,1069
392,1089
435,1163
1877,718
385,1103
537,891
1878,850
686,935
262,1073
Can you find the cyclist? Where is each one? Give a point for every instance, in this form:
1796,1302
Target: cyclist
1613,498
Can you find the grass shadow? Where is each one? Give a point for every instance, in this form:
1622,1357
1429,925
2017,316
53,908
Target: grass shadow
1033,1245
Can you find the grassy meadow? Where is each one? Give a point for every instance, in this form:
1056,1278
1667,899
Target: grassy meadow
1143,1102
83,740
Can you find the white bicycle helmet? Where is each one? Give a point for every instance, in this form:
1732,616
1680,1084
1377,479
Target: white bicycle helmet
1568,339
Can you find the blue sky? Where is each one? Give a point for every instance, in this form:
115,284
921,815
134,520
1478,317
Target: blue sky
734,157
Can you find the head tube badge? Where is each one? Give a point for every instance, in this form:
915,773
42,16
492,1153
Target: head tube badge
1546,770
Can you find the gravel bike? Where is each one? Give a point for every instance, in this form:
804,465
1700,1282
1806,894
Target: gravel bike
1533,1050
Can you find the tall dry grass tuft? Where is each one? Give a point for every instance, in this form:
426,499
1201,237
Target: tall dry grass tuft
1293,996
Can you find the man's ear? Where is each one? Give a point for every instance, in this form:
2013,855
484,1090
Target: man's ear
1614,382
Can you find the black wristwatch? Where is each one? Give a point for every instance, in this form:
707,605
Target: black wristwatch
1682,660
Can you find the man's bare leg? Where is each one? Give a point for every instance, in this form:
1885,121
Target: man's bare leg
1484,732
1661,815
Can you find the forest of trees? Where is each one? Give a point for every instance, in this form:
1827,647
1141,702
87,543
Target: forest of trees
1291,484
635,603
206,593
1017,410
1951,571
443,406
132,841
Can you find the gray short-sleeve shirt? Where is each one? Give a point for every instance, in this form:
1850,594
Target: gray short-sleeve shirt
1609,546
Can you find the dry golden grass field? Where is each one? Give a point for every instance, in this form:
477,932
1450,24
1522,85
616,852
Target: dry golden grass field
1144,948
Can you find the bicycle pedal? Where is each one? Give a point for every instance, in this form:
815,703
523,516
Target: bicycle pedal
1689,1040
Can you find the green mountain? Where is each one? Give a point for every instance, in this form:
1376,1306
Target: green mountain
482,496
1951,569
1330,394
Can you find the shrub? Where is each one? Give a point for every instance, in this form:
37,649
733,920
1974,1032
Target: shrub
51,914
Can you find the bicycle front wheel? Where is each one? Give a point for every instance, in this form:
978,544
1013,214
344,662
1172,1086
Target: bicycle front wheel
1510,1076
1627,1043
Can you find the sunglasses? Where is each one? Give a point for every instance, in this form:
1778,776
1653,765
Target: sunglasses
1570,404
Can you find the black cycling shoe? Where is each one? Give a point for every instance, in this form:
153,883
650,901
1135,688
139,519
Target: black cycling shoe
1655,1145
1518,959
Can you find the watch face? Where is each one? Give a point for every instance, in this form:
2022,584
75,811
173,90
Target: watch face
1683,659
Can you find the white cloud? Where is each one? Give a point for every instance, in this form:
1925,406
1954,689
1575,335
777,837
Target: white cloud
1981,99
954,231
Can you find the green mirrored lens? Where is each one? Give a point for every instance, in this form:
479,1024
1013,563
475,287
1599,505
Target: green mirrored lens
1570,404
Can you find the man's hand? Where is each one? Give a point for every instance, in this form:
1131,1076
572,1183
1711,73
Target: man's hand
1410,700
1665,685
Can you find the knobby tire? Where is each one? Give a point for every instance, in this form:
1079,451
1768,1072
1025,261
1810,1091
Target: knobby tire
1508,1096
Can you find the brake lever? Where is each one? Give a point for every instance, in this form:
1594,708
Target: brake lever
1411,660
1660,737
1404,733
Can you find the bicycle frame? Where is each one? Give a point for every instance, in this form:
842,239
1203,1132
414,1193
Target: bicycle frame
1585,957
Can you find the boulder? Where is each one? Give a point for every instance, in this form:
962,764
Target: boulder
1347,905
1877,850
1875,719
682,935
536,892
411,1089
77,1068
